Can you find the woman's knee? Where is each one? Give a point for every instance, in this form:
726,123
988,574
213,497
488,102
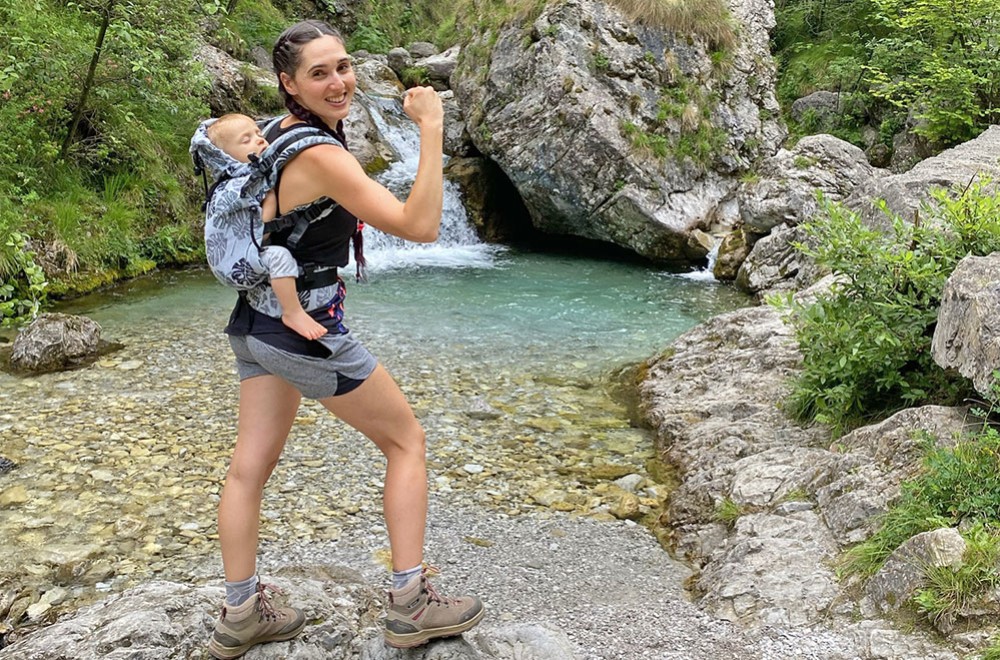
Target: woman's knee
406,443
250,473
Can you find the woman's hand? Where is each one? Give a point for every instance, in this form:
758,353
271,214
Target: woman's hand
423,106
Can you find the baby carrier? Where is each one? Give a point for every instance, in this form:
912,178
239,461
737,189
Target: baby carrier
234,228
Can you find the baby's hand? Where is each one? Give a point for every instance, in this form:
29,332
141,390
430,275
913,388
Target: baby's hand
269,207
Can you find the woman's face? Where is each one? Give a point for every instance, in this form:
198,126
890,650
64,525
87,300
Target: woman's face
324,82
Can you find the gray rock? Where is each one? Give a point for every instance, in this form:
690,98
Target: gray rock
421,49
377,79
552,117
766,478
456,137
775,264
237,86
439,67
875,460
905,193
967,334
822,106
55,341
399,59
746,584
905,570
791,179
365,139
166,619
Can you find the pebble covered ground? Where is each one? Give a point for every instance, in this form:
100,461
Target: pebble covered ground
535,479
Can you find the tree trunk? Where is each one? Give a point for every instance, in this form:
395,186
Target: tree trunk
81,105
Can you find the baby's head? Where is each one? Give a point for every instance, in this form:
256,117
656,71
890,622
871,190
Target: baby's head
238,136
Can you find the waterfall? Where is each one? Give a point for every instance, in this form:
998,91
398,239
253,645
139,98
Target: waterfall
457,245
706,274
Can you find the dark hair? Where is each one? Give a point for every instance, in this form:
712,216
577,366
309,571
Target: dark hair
286,58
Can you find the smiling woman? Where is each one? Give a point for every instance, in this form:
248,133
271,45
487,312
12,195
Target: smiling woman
277,367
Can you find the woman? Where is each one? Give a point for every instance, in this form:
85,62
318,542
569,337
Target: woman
277,367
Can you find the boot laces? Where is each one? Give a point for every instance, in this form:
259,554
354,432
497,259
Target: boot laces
267,610
432,594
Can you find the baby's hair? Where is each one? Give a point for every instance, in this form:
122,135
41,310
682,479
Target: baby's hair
216,131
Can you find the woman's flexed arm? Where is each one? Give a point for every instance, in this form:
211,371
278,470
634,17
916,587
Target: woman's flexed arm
333,172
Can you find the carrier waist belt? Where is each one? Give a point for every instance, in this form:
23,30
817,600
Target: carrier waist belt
311,278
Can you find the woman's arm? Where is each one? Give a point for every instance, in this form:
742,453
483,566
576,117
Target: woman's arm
330,171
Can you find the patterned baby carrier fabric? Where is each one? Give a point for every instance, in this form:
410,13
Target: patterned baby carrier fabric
234,228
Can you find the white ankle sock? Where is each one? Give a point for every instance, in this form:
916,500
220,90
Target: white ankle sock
401,578
238,593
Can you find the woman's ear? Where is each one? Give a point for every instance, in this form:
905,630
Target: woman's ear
288,83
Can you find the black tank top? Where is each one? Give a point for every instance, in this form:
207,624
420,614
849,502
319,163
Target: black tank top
327,241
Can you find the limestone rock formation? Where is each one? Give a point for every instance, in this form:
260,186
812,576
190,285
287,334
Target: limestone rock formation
170,620
620,132
905,193
791,179
967,334
238,86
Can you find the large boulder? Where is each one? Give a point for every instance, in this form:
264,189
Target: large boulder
905,193
822,108
790,181
967,334
56,341
621,132
439,68
774,263
786,194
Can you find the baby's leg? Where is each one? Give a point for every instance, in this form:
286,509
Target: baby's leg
292,313
282,269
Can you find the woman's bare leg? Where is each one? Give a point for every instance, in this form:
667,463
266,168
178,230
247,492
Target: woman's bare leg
378,409
268,406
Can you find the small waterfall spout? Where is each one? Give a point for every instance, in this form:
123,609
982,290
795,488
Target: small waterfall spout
457,245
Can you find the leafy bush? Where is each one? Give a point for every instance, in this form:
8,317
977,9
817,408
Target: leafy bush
866,344
941,61
22,282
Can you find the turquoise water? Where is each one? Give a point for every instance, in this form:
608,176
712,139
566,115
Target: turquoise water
556,312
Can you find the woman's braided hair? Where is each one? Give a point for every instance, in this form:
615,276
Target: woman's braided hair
286,58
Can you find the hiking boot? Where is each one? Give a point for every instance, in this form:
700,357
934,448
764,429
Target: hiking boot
254,622
418,614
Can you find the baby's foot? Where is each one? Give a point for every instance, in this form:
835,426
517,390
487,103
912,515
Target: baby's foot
303,324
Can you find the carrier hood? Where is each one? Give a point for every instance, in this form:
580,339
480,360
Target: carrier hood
215,161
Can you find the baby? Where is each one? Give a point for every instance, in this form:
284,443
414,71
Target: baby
239,136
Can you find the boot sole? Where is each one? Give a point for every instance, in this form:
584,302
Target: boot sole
229,652
410,640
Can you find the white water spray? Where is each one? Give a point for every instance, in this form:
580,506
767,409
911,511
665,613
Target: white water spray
457,246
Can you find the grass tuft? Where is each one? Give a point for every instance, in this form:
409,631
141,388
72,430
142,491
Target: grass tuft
709,19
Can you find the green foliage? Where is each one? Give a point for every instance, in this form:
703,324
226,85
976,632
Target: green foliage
22,282
935,58
728,512
866,344
939,58
126,176
414,76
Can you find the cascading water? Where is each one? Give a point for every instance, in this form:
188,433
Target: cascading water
457,245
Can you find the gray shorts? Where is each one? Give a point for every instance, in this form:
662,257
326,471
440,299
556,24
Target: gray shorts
348,365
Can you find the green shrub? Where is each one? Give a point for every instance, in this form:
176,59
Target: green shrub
22,282
866,343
